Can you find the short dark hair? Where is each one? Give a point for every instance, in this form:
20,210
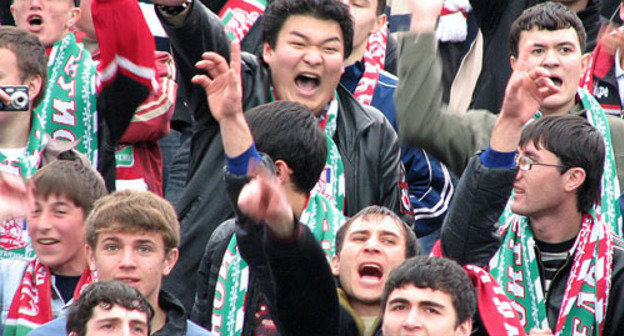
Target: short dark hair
381,7
546,16
577,144
437,274
288,131
332,10
31,56
71,177
411,247
106,295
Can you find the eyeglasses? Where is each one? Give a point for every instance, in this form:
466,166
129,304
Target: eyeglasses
525,163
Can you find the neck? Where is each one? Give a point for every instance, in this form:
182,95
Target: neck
297,200
562,110
14,129
356,54
577,6
90,44
74,268
160,316
364,309
556,228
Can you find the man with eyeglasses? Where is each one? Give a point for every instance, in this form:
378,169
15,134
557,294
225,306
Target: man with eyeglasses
553,254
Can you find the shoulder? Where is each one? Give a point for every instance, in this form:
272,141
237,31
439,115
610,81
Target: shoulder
387,79
193,329
52,328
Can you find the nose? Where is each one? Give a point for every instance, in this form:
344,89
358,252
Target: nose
372,245
35,3
412,320
551,59
44,221
313,56
127,258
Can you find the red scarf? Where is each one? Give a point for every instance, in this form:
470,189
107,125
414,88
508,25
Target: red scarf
374,59
32,303
497,312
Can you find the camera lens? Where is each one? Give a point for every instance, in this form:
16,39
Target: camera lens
19,100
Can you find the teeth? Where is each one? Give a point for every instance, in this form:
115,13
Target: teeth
47,241
372,266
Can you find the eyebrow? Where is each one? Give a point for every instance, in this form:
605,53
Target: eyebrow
303,36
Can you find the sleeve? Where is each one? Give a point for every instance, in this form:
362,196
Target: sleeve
151,119
126,68
470,231
423,123
201,31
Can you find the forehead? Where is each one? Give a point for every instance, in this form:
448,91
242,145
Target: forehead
131,238
311,28
415,295
376,223
546,37
118,312
529,149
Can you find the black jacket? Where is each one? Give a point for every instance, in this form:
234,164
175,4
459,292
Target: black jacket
280,275
470,236
495,18
367,143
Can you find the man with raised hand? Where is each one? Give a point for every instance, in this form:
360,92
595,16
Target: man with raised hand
305,45
538,41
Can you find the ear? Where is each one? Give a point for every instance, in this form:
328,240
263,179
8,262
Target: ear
575,177
584,62
90,257
464,328
379,22
74,15
283,171
171,258
335,265
73,333
267,53
34,86
512,62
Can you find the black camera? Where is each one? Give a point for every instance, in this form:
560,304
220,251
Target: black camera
19,98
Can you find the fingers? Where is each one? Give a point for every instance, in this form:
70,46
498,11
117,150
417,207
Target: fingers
235,58
212,63
202,80
4,97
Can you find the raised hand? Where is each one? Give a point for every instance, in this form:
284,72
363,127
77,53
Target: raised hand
525,92
424,14
263,199
223,87
16,196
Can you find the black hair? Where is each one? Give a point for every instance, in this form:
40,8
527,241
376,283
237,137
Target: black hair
288,131
279,11
577,144
440,274
376,211
106,295
546,16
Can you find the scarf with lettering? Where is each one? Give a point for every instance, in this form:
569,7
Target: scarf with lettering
608,208
14,241
374,60
68,111
228,313
585,300
238,16
497,313
32,303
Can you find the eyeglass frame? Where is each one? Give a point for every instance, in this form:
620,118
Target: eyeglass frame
531,162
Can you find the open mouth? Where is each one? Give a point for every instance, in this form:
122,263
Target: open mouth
47,241
307,81
556,80
35,20
370,271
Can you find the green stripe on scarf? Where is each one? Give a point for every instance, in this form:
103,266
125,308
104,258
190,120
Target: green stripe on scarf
69,109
